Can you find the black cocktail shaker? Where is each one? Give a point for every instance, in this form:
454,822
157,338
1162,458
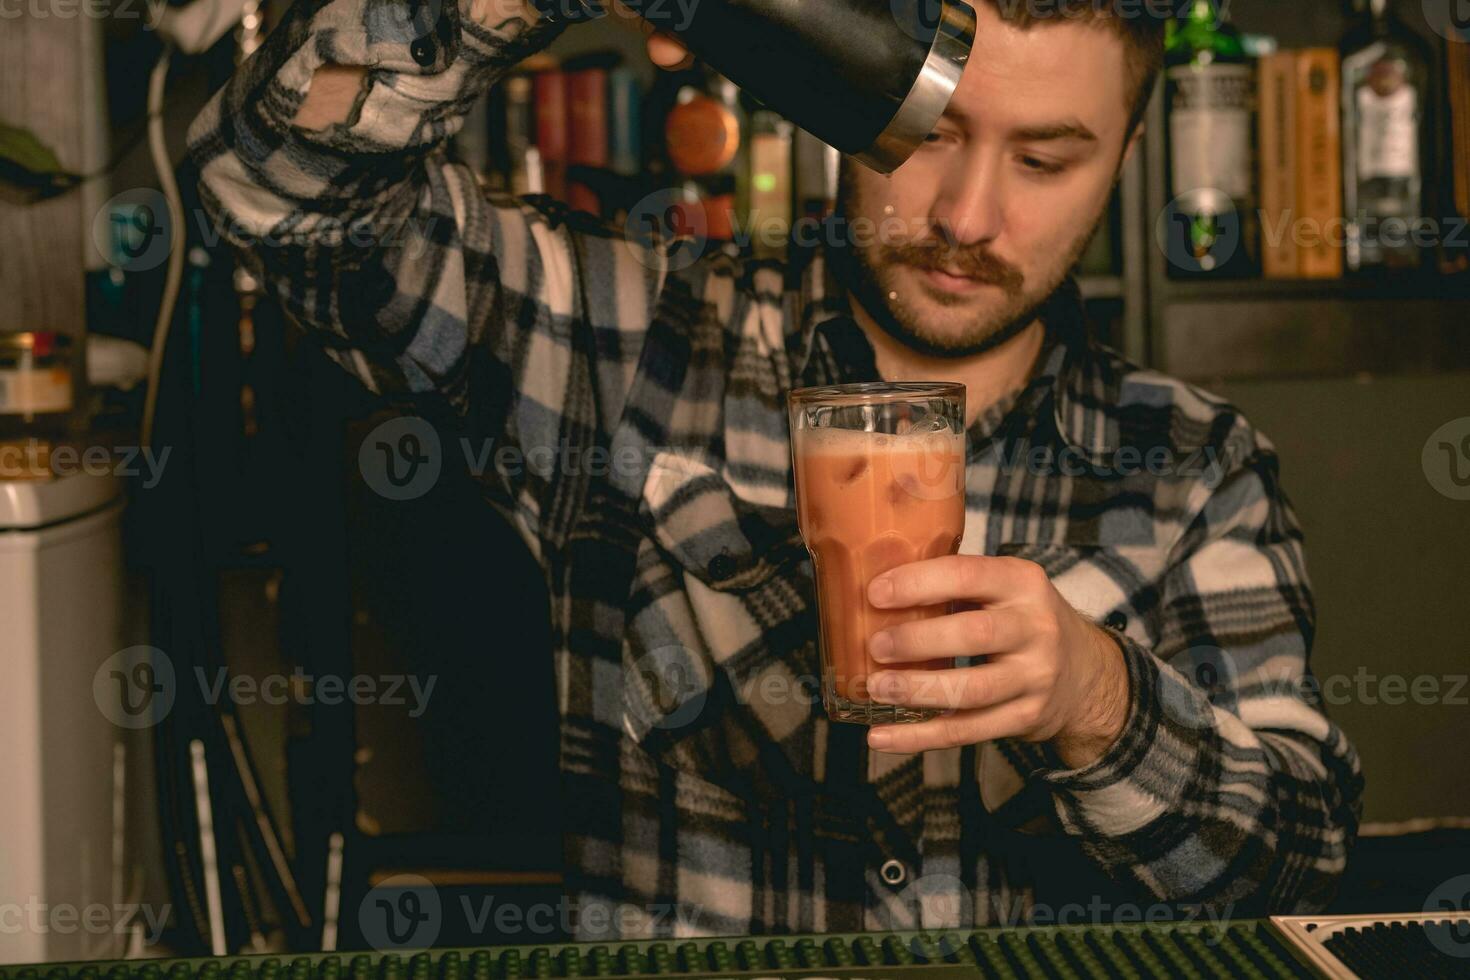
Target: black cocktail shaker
869,77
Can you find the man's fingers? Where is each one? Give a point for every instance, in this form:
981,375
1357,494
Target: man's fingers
664,50
950,731
963,634
938,580
958,689
667,52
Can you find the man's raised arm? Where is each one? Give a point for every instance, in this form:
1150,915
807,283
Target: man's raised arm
323,161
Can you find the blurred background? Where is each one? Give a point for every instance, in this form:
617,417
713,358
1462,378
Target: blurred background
1292,237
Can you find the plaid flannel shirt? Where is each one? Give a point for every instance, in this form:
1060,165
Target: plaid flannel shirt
705,791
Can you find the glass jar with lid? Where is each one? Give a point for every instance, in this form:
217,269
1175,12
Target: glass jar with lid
36,390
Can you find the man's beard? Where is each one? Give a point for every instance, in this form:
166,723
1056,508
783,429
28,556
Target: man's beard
863,275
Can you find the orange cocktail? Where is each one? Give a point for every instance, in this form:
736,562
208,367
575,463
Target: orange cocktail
879,483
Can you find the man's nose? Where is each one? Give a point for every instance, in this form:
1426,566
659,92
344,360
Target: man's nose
969,209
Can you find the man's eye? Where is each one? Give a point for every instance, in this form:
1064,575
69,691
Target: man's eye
1037,165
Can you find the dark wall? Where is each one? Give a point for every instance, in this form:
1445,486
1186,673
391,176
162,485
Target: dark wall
1389,556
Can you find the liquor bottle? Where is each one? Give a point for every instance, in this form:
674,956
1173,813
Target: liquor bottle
706,144
1454,143
869,77
517,152
768,222
1385,83
587,127
553,128
625,100
1210,92
816,168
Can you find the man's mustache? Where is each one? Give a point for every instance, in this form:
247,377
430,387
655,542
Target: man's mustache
977,263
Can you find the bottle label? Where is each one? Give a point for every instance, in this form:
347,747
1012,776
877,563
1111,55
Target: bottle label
34,391
1210,124
1388,124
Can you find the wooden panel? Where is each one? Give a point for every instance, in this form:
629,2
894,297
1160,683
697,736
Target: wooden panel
41,82
1389,557
1285,338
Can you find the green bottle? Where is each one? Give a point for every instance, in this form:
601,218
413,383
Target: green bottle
1210,98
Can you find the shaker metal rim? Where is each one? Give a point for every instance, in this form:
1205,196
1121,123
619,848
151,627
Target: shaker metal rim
931,91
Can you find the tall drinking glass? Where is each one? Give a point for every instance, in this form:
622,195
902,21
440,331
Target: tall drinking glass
880,482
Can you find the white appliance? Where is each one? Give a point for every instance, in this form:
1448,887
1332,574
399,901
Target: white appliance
61,605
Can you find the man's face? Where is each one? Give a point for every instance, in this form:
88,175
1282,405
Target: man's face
985,220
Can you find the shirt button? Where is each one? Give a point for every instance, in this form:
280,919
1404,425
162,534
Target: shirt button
422,50
721,567
1116,621
893,872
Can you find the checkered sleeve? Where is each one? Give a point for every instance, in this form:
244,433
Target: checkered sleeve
1229,787
522,318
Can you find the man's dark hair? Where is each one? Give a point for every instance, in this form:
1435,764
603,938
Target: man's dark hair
1140,25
